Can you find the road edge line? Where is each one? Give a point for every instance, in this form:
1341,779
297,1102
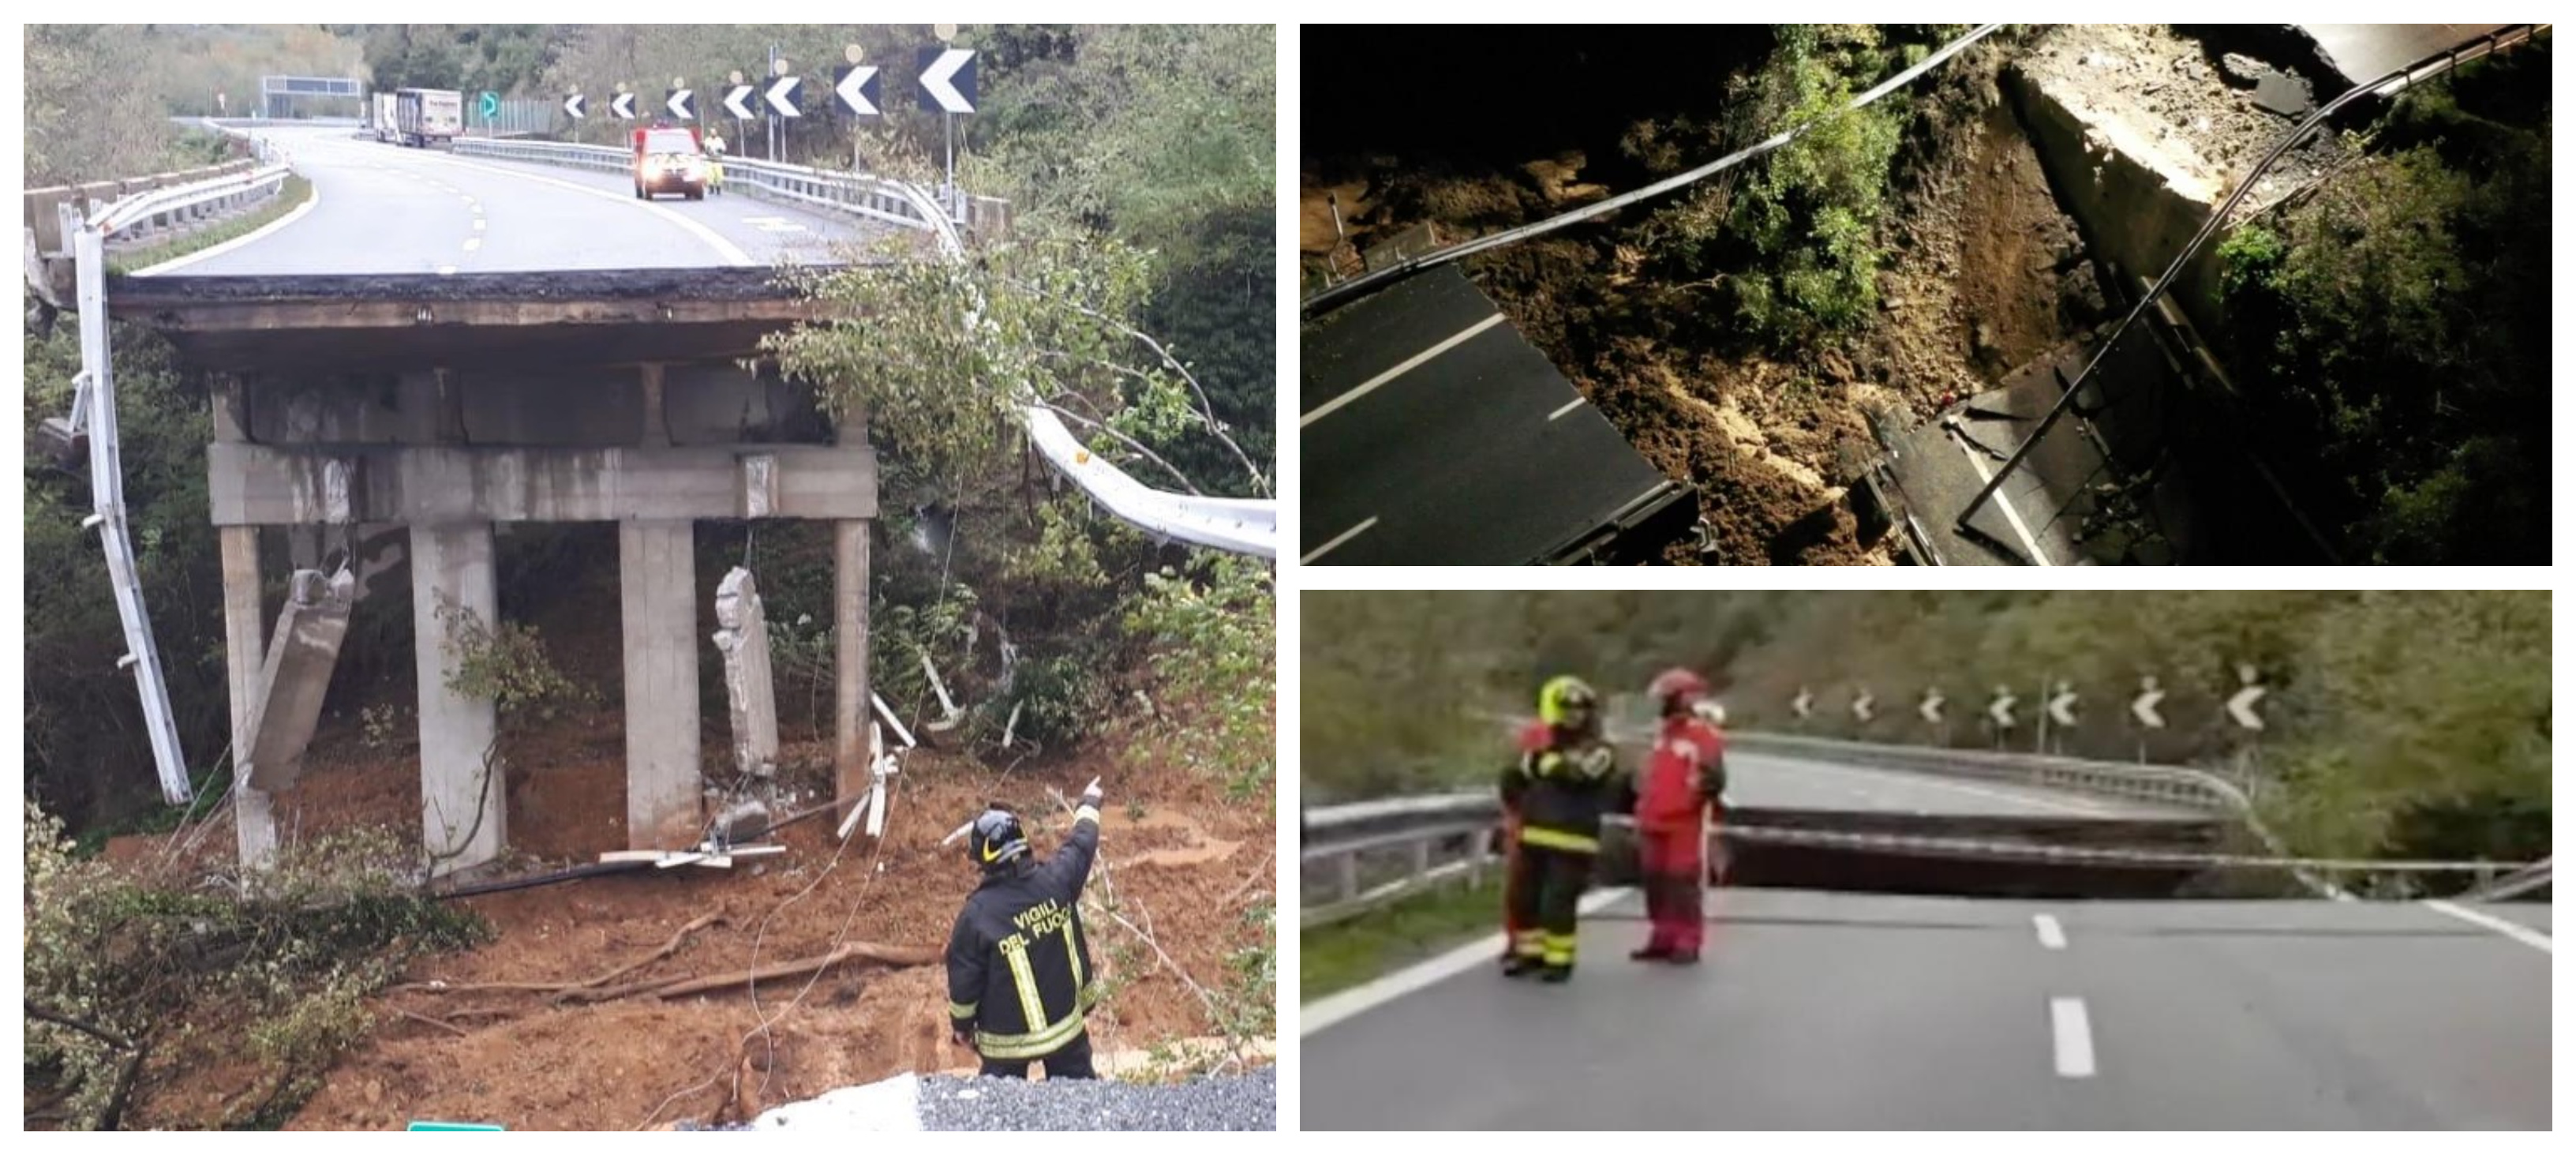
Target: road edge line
2506,927
183,261
1347,1004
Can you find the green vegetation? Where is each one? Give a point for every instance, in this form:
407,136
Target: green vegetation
506,666
2398,321
2401,723
1790,244
1344,955
135,973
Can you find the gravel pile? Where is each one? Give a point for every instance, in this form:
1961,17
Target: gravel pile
1233,1103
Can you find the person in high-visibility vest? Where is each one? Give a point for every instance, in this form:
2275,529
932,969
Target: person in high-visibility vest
1684,777
715,164
1565,779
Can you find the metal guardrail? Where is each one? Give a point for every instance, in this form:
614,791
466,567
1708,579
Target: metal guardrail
1364,855
2170,785
860,194
44,220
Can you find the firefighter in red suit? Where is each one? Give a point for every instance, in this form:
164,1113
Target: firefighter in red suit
1682,781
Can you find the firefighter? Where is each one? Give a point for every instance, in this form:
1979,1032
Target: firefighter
1019,963
1682,781
1559,788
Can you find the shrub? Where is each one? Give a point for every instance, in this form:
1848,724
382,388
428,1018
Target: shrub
159,974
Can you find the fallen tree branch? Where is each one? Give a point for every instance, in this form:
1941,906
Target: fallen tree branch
849,952
667,950
441,1024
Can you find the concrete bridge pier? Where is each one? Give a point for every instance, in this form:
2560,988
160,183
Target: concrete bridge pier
254,826
462,822
657,580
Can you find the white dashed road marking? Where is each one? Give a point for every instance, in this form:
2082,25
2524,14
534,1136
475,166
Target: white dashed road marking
473,243
2051,935
1566,408
2074,1034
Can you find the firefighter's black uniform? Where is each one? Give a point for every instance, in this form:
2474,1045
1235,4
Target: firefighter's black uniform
1019,964
1560,790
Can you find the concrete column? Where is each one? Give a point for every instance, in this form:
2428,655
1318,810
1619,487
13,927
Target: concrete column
850,664
657,580
254,827
850,655
462,820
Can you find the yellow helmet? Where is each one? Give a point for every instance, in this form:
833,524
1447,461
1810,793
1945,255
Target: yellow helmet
1567,701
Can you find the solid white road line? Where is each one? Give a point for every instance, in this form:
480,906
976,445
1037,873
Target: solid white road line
2074,1034
292,215
1566,408
1407,365
2051,935
2010,514
1329,546
478,224
1368,996
473,243
447,270
2512,930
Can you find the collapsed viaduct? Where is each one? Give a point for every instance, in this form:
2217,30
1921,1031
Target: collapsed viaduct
446,405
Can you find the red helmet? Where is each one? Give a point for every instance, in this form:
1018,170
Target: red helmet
1678,683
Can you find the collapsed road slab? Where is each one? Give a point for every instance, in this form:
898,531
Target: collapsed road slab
1433,434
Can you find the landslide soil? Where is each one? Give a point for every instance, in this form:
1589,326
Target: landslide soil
1983,271
1186,864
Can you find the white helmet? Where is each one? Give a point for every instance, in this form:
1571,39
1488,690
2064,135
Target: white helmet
1710,711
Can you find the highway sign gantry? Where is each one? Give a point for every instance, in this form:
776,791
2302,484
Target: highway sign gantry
781,96
2240,708
947,80
856,86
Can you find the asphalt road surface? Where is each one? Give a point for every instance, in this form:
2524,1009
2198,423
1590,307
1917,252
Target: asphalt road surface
1773,781
1433,434
382,208
1826,1010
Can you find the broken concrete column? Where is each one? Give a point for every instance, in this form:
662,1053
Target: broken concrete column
301,654
657,579
462,821
742,636
254,828
850,773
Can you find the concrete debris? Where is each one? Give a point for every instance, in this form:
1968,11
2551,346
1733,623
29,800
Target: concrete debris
2241,70
301,655
742,636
